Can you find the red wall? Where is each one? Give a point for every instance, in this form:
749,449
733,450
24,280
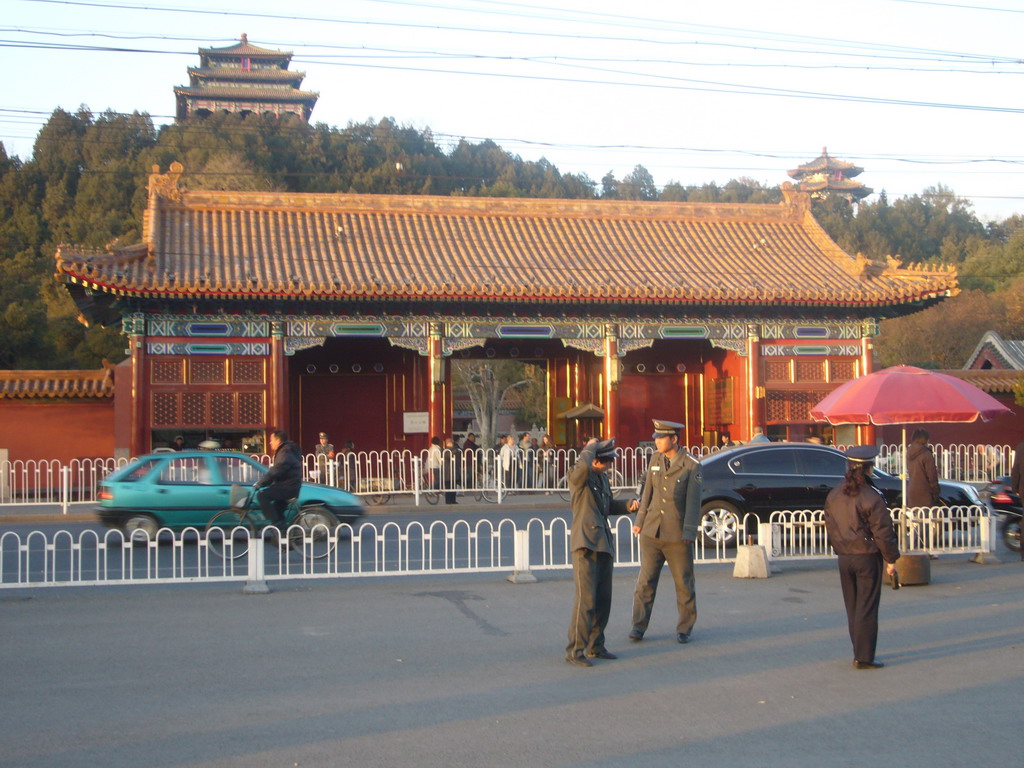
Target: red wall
1002,430
64,430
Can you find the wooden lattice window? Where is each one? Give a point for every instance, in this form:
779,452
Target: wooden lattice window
810,370
165,409
842,370
222,408
776,370
247,371
193,408
782,407
206,372
168,372
250,408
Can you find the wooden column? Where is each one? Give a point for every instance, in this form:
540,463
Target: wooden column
437,377
278,378
755,389
867,365
139,442
612,377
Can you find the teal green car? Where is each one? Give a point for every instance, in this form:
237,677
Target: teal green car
183,489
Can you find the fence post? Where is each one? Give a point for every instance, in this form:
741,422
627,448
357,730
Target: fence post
5,480
256,582
989,533
65,488
498,475
521,561
416,480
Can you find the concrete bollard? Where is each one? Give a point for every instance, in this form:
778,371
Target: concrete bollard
751,563
522,574
256,582
913,570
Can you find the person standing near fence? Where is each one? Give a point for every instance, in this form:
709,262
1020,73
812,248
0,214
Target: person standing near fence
922,475
667,520
434,462
592,552
323,454
452,469
1017,477
860,531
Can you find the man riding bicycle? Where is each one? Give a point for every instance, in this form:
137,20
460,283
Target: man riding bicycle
282,481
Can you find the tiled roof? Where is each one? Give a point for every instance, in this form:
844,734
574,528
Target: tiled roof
1010,351
257,75
235,94
56,384
321,247
990,380
825,162
244,48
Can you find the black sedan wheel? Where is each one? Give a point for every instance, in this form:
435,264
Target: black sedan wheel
719,523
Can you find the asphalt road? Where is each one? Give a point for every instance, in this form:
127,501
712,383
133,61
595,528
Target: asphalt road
469,671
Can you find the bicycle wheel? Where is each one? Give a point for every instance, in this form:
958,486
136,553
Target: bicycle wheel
488,488
432,497
563,488
376,499
314,532
224,537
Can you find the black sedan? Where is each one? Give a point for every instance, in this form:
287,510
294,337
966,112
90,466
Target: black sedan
763,478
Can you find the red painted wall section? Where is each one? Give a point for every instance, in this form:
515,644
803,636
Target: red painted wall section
35,430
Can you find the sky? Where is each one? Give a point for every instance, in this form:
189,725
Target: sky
917,93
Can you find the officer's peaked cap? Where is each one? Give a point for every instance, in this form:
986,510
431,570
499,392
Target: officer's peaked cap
606,449
862,453
664,428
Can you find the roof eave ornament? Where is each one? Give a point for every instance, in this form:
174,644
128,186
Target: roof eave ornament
165,185
796,200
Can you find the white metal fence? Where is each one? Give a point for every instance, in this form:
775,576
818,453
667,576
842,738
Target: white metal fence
90,557
379,476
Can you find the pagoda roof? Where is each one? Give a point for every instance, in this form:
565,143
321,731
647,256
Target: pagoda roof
344,247
256,75
226,93
38,385
825,163
244,48
846,186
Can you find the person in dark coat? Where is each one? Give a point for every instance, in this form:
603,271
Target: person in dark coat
666,522
860,531
922,476
282,481
1017,477
452,469
592,551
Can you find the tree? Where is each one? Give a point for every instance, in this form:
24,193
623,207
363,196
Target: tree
638,184
489,383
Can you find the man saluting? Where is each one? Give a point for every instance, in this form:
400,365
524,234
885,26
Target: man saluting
669,513
592,552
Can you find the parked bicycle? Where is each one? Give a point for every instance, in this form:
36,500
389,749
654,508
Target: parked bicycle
310,530
379,490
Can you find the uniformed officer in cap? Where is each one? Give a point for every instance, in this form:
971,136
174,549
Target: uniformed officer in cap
323,453
860,531
592,551
667,520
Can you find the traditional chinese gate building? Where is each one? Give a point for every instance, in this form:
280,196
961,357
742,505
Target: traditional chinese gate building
246,312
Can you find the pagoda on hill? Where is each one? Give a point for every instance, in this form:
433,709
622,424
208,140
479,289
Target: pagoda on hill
827,177
246,79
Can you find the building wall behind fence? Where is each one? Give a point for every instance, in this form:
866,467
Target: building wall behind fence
37,430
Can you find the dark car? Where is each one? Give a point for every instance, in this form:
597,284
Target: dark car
184,489
763,478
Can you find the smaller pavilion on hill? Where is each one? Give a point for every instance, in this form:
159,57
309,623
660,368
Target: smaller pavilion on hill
827,177
244,78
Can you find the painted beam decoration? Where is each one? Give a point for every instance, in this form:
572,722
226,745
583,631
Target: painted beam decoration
175,335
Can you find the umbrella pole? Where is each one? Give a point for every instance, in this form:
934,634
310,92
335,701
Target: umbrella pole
903,499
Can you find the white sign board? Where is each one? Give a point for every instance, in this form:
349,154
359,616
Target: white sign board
416,422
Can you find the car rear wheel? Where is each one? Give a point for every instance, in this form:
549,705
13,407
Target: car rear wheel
719,523
139,522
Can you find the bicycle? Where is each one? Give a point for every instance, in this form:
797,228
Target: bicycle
379,490
310,529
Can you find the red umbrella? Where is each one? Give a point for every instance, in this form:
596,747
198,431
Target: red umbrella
904,394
